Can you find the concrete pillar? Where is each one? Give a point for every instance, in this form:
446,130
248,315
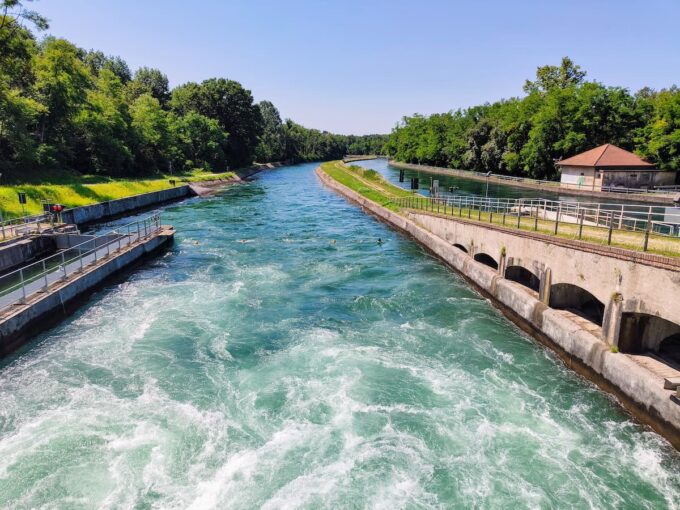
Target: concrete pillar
502,262
544,287
611,323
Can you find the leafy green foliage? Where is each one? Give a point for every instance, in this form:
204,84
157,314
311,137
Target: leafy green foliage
65,109
561,115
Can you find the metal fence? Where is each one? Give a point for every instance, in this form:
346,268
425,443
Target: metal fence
18,285
25,226
632,225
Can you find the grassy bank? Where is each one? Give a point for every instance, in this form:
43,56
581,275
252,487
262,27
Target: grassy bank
368,183
371,185
74,191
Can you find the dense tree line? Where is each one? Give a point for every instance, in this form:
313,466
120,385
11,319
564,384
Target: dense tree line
561,114
62,107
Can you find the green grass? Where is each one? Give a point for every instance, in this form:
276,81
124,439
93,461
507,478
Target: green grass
371,185
78,190
367,183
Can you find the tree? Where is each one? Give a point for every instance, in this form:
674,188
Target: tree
661,136
232,107
550,77
271,142
67,108
18,110
150,81
61,85
104,128
152,128
96,61
198,142
12,18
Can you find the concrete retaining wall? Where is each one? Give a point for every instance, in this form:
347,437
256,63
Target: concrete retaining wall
116,208
636,388
45,309
21,252
65,241
642,287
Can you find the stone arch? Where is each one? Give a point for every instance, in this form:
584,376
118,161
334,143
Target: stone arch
642,332
486,259
460,247
524,276
566,296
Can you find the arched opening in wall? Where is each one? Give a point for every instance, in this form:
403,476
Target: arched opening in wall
669,349
565,296
641,333
522,275
487,260
460,247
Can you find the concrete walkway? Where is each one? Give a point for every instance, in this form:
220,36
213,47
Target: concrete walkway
16,294
656,365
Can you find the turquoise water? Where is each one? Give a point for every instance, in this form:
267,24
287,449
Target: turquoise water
260,365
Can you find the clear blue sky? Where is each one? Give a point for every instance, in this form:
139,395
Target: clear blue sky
359,66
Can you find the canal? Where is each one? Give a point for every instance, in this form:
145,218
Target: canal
281,357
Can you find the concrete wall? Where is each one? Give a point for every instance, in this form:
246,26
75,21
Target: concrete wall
65,241
43,310
642,288
21,252
115,208
572,176
582,350
666,179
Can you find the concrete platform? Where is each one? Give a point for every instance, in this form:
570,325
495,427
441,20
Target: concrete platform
47,304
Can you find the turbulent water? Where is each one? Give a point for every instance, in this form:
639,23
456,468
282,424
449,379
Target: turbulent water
280,357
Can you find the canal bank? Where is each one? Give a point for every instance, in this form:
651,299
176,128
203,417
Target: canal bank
585,352
112,209
544,187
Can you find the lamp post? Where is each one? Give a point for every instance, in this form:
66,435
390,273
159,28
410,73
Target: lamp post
486,193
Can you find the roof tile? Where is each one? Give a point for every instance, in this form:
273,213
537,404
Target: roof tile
606,156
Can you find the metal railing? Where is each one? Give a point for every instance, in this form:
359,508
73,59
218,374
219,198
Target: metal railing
17,286
638,191
601,221
25,225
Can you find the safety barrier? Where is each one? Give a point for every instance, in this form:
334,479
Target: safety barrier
17,286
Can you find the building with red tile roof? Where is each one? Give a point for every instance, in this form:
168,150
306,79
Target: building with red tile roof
609,167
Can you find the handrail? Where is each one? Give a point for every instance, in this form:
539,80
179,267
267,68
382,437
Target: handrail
13,224
663,221
60,266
